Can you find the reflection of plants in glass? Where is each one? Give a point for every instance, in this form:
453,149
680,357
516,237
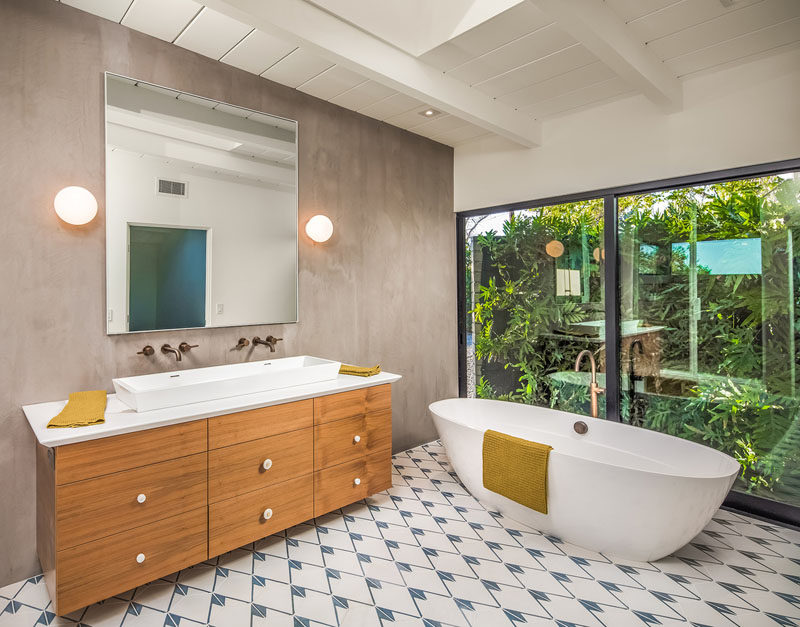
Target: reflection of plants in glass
744,333
742,420
518,306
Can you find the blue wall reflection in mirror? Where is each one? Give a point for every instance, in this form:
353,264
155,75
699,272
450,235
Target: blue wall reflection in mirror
724,256
167,287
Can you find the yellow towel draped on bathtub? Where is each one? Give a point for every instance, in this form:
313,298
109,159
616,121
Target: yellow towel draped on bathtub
82,409
516,469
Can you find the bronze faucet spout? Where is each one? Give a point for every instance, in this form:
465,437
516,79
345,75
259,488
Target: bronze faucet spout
594,389
269,342
167,349
257,340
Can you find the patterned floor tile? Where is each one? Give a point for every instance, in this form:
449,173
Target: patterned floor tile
426,553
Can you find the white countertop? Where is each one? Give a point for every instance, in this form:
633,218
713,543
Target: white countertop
122,419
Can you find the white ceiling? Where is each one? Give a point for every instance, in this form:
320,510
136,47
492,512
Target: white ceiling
506,74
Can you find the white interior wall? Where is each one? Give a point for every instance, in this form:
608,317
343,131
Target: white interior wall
253,238
738,116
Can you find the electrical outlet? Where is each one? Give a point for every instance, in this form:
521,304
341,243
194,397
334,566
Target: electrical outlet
220,309
111,315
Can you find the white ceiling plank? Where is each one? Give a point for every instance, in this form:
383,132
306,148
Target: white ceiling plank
442,124
630,10
164,20
561,84
580,98
391,106
535,45
363,95
738,49
257,52
446,56
516,22
560,62
602,31
411,119
212,34
343,44
728,26
681,15
331,83
109,9
297,68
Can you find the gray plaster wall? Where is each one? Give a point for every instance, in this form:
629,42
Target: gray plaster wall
382,290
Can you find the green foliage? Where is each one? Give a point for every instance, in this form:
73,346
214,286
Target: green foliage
517,307
740,406
740,419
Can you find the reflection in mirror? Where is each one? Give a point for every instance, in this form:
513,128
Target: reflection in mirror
201,212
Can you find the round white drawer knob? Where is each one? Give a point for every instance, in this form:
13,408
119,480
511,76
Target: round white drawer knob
141,498
140,558
267,514
357,481
357,439
267,464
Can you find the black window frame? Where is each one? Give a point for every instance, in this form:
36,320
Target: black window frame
760,507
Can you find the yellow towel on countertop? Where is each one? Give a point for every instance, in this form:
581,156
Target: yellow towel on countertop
516,468
82,409
359,371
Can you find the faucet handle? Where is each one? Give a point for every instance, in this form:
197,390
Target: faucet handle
243,341
186,347
274,340
147,351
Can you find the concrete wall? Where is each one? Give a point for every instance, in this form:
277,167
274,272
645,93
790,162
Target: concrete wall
742,115
381,290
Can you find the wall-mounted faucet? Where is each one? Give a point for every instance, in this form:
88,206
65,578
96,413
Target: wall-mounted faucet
167,349
594,389
269,342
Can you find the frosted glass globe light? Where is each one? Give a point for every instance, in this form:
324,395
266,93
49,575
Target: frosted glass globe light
319,228
75,205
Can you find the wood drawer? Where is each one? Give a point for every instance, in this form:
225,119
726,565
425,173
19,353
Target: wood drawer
238,469
336,486
335,442
379,430
104,456
240,520
379,471
353,403
96,570
102,506
259,423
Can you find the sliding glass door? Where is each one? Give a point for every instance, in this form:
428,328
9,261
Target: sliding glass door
709,297
701,338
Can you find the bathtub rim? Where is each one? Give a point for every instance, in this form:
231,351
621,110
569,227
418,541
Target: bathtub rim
676,473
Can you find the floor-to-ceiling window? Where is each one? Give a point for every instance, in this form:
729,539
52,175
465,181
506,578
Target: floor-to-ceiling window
705,321
536,299
710,289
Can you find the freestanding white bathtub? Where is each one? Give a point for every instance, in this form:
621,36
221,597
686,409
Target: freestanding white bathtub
617,489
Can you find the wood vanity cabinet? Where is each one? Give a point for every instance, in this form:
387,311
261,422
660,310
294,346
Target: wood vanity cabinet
117,512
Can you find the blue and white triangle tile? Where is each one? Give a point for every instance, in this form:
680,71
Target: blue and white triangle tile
426,553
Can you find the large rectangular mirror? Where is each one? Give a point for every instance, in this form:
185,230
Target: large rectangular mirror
201,211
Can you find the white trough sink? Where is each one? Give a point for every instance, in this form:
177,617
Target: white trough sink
182,387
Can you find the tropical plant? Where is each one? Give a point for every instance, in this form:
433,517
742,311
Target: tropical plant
745,330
